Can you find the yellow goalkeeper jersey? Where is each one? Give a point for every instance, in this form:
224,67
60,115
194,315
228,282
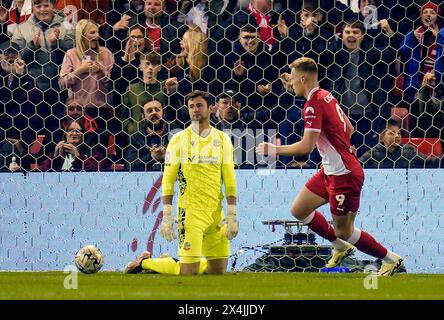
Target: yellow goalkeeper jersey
201,164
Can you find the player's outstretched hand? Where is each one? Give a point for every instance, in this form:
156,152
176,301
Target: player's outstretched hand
266,149
232,225
167,226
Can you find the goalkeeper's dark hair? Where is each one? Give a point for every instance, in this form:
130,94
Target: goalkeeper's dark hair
202,94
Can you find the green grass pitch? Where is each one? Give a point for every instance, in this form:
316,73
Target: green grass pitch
232,286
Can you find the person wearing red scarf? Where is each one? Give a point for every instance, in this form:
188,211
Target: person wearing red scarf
427,34
260,9
16,13
95,10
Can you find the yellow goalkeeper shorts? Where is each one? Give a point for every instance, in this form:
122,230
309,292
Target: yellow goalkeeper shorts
201,235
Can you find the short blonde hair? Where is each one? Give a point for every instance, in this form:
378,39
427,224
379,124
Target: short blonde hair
305,64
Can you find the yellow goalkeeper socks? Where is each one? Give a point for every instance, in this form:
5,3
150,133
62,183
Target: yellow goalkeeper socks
203,265
162,265
169,266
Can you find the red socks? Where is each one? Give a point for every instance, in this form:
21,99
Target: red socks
317,222
367,244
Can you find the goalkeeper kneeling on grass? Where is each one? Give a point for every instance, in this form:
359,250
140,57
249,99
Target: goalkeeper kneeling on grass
201,158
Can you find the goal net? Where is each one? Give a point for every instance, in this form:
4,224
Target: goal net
91,93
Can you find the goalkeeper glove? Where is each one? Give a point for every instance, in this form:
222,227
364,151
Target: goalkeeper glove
232,226
166,227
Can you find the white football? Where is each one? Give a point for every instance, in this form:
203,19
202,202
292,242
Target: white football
89,259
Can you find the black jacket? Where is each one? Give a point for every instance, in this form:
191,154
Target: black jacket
405,156
373,70
260,69
137,154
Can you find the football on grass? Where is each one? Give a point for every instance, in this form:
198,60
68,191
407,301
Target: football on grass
89,259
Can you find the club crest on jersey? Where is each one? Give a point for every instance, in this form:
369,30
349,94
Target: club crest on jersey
216,143
309,109
187,246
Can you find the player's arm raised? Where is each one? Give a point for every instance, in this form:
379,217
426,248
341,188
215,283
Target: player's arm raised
301,148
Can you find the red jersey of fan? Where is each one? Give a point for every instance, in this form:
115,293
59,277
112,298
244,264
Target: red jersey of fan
322,113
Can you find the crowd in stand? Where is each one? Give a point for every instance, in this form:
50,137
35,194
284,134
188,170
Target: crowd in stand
101,85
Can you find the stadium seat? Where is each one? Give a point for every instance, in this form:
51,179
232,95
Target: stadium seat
34,167
111,146
398,86
427,146
117,167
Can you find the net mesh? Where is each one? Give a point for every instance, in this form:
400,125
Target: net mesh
121,70
102,86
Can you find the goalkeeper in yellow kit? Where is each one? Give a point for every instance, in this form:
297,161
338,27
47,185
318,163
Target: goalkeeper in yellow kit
201,158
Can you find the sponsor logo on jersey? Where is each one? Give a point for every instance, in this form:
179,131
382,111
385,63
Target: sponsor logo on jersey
167,157
309,109
208,159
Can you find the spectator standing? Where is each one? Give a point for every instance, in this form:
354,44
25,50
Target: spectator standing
43,41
